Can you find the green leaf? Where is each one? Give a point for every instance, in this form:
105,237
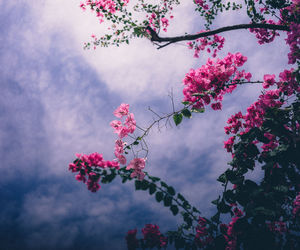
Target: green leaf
195,110
282,189
215,202
152,188
186,205
262,210
186,113
222,178
177,119
171,190
163,184
196,210
174,209
167,200
216,217
180,197
153,178
185,103
159,196
138,185
187,219
144,185
223,207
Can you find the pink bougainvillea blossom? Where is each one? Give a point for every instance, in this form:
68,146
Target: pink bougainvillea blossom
85,166
153,237
131,240
265,35
296,205
130,123
269,80
137,164
202,237
215,42
208,83
122,110
102,6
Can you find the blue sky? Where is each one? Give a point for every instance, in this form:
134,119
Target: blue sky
57,100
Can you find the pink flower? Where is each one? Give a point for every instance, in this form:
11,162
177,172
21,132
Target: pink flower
119,145
117,125
122,159
216,106
123,132
80,177
296,205
229,144
165,22
82,6
132,242
153,237
112,164
130,123
122,110
139,174
269,80
239,59
137,165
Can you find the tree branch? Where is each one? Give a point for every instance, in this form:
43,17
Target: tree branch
156,38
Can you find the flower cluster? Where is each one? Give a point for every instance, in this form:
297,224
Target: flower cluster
255,114
87,165
137,164
202,237
265,35
129,125
102,6
200,44
277,226
293,40
291,16
230,233
153,237
156,22
131,240
208,83
296,204
123,129
202,4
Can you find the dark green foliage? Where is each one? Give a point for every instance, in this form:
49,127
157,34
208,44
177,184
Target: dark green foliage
177,118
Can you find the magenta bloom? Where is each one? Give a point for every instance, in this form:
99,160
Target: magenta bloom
153,237
296,204
137,165
216,106
130,123
122,110
269,80
229,144
131,240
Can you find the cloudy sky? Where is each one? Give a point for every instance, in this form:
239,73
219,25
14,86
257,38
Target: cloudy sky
57,100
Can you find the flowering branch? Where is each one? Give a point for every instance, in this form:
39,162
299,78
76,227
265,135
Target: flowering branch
156,38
